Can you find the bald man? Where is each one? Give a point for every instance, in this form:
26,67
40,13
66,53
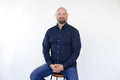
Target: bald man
61,48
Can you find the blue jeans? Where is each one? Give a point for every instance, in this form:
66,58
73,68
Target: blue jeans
45,70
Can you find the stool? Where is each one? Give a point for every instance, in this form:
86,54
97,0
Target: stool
57,75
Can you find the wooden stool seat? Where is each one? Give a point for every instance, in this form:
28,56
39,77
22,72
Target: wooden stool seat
57,75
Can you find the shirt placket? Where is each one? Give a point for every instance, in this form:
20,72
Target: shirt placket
58,44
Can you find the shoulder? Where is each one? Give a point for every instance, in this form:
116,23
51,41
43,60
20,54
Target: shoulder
51,29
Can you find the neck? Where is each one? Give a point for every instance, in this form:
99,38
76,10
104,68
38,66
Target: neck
60,25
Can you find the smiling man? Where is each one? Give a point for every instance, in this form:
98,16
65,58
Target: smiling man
61,48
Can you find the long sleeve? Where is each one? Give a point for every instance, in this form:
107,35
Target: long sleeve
46,49
76,46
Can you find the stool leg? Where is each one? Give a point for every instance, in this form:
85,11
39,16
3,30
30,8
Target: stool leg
56,78
51,77
64,78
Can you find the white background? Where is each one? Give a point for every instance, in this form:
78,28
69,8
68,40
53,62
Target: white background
23,24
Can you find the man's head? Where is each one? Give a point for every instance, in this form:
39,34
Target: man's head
61,15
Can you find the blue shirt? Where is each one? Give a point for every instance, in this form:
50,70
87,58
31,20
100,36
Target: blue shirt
62,46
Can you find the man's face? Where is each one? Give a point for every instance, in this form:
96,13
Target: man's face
61,15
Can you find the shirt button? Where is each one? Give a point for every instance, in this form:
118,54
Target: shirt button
57,51
58,46
58,40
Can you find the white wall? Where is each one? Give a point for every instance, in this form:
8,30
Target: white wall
23,24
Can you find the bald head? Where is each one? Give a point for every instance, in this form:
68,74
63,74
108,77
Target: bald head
61,15
61,9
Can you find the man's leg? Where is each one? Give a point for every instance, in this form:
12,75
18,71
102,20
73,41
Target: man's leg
41,72
70,73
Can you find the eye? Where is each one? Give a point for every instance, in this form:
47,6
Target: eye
64,14
59,14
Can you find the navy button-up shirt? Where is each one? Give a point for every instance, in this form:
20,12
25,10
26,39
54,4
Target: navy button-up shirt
62,46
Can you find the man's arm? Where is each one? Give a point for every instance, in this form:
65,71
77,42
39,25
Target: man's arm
76,46
46,49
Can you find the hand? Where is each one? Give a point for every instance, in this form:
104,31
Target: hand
57,68
60,67
54,68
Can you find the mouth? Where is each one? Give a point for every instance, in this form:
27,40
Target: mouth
61,18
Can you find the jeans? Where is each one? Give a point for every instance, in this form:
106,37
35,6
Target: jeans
44,71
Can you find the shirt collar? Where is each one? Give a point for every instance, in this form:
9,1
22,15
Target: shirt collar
64,26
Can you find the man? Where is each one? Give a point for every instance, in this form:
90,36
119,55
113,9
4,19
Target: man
61,48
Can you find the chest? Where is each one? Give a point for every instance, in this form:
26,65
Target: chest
60,36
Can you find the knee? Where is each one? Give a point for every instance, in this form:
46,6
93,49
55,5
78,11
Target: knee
35,76
32,77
